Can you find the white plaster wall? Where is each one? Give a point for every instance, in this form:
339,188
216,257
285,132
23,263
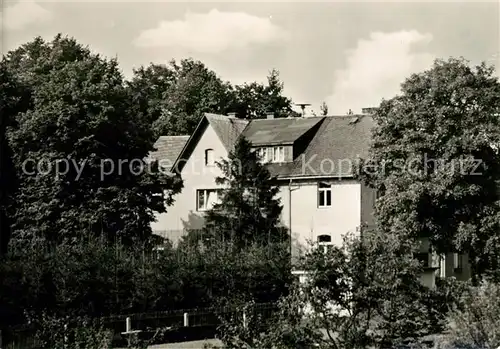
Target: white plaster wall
309,220
182,214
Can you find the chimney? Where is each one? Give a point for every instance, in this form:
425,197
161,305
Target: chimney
369,110
270,116
232,114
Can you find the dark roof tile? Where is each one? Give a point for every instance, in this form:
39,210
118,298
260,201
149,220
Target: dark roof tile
168,148
336,146
335,149
278,131
228,129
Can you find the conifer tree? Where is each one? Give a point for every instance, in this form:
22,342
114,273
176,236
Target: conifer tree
248,211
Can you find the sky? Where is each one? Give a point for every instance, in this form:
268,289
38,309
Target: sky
348,54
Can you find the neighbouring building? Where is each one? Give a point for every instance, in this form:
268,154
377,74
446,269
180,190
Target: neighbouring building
313,159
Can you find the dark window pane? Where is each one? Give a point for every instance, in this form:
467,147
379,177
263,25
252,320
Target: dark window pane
324,238
328,198
321,198
423,258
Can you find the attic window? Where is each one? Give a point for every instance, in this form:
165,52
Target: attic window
209,157
279,154
324,194
271,154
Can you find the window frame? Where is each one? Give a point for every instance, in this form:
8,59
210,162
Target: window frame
207,162
206,193
262,154
278,154
273,154
324,246
323,191
458,262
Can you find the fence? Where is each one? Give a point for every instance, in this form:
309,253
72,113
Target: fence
184,324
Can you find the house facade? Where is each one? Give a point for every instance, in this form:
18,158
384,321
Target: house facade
313,160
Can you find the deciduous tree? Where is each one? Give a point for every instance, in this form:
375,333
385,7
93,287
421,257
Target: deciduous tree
13,99
79,148
177,95
255,100
435,161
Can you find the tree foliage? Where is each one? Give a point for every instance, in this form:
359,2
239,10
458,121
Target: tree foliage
249,211
94,278
176,96
363,294
256,101
475,321
13,99
434,160
324,109
81,118
179,94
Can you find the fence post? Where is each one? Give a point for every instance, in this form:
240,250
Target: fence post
65,335
186,319
245,324
128,325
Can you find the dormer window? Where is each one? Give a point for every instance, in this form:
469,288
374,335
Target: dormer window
271,154
278,154
209,157
262,154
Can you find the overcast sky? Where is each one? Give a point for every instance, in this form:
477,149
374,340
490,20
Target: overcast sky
350,55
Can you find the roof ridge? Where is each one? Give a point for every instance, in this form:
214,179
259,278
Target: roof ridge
217,116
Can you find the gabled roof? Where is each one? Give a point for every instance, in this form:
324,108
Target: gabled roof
340,141
168,148
336,145
278,131
228,130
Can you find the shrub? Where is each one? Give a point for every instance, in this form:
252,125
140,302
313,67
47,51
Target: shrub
475,321
364,294
287,328
74,332
95,279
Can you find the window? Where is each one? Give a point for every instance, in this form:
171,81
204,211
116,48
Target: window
325,243
324,194
264,154
423,258
457,261
278,154
442,266
206,198
209,157
158,250
271,154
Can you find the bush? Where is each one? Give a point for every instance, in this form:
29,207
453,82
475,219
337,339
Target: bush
69,332
287,328
95,279
475,321
364,294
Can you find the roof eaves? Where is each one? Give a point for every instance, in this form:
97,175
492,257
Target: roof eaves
187,144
